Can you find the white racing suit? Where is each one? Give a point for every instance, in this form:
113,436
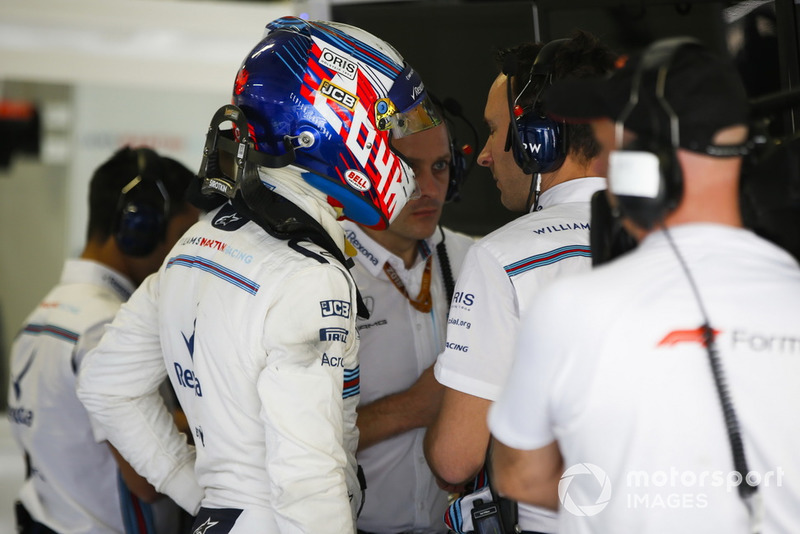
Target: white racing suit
259,341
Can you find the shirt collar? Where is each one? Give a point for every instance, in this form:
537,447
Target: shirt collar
576,190
371,255
82,271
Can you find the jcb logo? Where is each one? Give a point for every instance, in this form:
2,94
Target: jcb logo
335,307
338,94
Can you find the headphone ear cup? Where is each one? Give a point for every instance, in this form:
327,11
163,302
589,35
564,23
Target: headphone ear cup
142,208
458,172
139,229
647,182
541,147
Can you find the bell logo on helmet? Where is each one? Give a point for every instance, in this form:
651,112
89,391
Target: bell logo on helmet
357,180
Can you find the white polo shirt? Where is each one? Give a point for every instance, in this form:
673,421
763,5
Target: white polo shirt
502,274
73,482
398,343
612,365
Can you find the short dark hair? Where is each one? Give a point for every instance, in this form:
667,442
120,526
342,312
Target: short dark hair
108,180
582,56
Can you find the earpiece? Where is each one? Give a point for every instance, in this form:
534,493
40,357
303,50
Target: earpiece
459,164
142,208
537,142
645,176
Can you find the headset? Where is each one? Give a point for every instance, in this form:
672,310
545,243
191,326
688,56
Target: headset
538,143
141,221
459,164
645,177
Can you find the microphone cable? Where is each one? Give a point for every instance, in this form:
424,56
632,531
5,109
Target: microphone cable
747,491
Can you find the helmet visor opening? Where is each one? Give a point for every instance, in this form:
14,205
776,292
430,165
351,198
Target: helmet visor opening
421,116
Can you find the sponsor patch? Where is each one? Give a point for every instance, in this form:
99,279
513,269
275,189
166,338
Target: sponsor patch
357,180
339,308
337,94
228,219
333,334
187,379
338,63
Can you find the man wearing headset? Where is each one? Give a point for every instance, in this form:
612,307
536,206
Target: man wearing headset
137,211
662,385
546,170
406,275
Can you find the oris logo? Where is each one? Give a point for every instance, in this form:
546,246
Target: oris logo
466,299
357,180
337,94
337,63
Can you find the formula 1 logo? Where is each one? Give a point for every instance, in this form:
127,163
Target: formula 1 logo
686,336
339,308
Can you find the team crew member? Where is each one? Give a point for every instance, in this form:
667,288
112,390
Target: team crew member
255,308
502,273
629,392
405,274
137,212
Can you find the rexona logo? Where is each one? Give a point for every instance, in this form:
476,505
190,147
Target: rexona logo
337,94
340,64
187,379
340,308
416,91
357,180
333,334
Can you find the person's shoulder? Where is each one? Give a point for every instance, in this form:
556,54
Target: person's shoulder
539,231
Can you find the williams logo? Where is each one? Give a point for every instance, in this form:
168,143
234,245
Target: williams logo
337,94
335,307
337,63
456,346
333,334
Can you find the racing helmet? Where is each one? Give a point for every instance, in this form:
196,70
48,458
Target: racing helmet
334,95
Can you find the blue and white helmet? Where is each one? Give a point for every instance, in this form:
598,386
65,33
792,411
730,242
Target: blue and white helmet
335,95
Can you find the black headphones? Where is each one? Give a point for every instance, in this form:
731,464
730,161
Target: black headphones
646,177
538,143
459,166
141,221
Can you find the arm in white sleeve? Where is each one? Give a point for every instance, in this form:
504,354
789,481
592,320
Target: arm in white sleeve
311,351
118,384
